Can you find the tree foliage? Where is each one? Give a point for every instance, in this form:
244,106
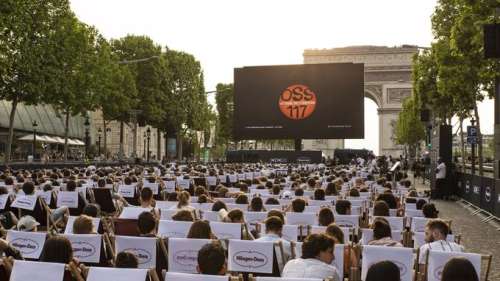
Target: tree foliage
409,130
224,100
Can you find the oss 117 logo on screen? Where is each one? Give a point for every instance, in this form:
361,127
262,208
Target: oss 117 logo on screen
297,102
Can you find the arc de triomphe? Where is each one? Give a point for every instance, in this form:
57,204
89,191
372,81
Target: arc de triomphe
387,82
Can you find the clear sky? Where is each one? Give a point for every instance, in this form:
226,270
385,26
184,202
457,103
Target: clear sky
224,34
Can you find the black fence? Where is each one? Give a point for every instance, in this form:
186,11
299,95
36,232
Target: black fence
483,192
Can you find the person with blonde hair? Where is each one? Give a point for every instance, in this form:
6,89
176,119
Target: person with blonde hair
183,199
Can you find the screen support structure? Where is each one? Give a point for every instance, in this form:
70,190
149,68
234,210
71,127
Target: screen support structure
298,144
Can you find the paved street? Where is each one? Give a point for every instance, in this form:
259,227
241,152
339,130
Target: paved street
477,237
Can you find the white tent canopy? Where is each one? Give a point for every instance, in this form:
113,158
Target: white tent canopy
48,139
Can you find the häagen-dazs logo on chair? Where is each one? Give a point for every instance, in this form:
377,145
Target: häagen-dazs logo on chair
82,249
143,255
25,246
186,257
402,267
250,259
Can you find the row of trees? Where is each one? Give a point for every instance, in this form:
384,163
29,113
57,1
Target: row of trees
452,75
48,56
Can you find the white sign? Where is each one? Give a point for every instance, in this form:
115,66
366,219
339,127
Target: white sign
133,212
116,274
212,181
3,200
127,191
86,247
224,230
143,248
222,178
26,202
39,271
165,204
30,244
153,186
170,186
45,195
174,229
402,257
183,254
184,183
301,218
438,259
67,198
250,256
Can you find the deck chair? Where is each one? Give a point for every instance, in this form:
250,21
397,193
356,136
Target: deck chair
367,236
104,198
183,254
173,229
118,274
126,227
436,260
396,223
305,219
258,258
252,278
176,276
223,230
40,271
402,257
145,248
30,244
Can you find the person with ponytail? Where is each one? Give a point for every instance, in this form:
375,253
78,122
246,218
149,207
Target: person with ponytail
183,199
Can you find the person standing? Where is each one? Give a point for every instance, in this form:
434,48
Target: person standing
441,190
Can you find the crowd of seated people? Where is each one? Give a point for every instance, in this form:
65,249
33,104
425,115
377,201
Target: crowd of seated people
311,216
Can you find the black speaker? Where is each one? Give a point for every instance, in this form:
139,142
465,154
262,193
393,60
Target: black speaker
491,41
425,115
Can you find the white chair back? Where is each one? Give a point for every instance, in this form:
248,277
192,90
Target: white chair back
40,271
86,247
402,257
223,230
30,244
116,274
174,229
250,256
143,247
176,276
183,254
351,221
301,218
437,261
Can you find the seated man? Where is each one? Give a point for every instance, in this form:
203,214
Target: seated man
436,231
274,228
212,259
146,223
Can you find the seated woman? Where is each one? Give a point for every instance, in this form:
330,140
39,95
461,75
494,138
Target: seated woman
201,230
58,249
317,256
382,235
336,232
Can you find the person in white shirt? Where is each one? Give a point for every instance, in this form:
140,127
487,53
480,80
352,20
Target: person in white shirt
436,231
441,190
274,229
317,256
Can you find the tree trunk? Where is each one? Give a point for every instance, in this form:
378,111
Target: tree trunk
462,144
8,152
66,132
479,140
105,138
158,144
179,146
120,152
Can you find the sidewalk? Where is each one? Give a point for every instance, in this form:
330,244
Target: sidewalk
477,237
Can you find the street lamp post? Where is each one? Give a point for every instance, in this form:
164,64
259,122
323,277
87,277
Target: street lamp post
148,134
473,150
87,135
34,139
108,130
99,132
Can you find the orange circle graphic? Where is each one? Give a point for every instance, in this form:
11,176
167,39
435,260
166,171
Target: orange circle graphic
297,102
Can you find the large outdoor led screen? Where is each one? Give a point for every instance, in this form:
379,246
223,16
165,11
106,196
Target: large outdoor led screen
311,101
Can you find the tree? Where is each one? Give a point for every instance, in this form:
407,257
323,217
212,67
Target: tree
185,105
27,59
224,101
409,130
74,90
